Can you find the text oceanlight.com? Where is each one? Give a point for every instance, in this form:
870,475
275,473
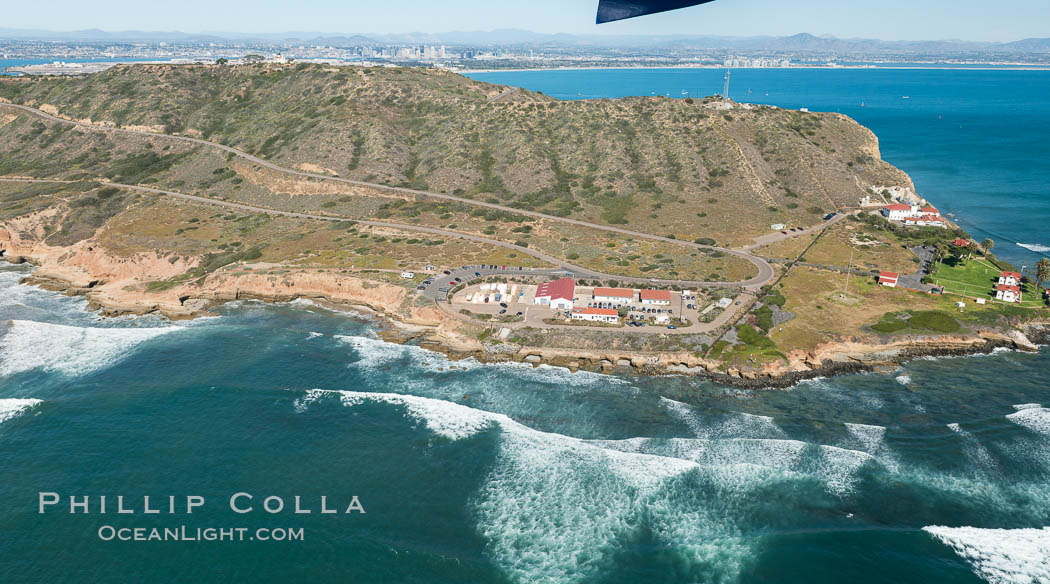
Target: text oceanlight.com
184,533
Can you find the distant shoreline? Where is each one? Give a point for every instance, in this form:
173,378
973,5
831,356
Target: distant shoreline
851,67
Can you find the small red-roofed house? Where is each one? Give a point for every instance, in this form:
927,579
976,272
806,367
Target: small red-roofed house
1008,293
888,279
961,243
656,297
607,315
1009,279
617,296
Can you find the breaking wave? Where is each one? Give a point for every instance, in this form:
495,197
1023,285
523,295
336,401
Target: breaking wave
1000,556
1035,247
376,354
556,508
1032,416
12,407
70,350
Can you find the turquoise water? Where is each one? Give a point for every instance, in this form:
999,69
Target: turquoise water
974,142
484,473
479,473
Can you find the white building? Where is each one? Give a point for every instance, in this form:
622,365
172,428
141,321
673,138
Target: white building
1008,293
606,315
407,275
616,296
557,294
1009,279
656,297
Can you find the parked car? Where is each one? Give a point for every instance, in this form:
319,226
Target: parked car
503,304
519,314
447,273
503,311
477,274
672,327
421,287
457,280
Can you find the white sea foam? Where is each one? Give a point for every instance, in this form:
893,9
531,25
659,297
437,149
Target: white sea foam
11,407
553,508
1038,248
978,455
1036,419
835,467
375,353
1000,556
1020,407
313,335
869,437
732,425
904,379
70,350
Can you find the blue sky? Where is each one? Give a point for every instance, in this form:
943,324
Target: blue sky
993,20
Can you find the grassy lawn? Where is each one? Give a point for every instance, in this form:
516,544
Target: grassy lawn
977,278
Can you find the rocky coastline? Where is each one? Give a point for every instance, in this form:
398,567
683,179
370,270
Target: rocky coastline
435,330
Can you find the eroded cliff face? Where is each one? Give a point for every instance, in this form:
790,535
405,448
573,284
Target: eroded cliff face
120,283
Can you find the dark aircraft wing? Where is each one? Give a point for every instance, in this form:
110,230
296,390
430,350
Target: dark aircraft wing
610,10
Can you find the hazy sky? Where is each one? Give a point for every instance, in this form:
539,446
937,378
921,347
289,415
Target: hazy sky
994,20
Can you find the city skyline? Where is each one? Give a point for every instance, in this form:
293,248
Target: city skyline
891,20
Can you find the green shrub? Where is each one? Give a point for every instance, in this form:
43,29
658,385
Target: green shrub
934,320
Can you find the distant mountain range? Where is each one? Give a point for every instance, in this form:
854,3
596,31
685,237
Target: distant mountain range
799,43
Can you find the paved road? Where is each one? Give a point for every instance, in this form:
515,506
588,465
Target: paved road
765,271
771,238
564,266
914,281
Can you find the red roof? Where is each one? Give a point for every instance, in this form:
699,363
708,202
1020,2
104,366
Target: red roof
898,207
930,209
599,311
656,295
614,292
562,289
1005,288
890,275
932,218
1015,275
960,242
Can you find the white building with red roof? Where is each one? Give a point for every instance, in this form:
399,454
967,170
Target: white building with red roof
1009,279
898,212
889,279
558,294
1008,293
656,297
617,296
928,216
606,315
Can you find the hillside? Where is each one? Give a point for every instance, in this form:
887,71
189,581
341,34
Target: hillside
658,165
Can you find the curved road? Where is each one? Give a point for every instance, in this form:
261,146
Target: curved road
577,271
765,270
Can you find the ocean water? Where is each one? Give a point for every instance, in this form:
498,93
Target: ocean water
974,142
498,473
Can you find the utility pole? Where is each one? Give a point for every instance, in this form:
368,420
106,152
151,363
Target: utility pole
725,92
849,271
